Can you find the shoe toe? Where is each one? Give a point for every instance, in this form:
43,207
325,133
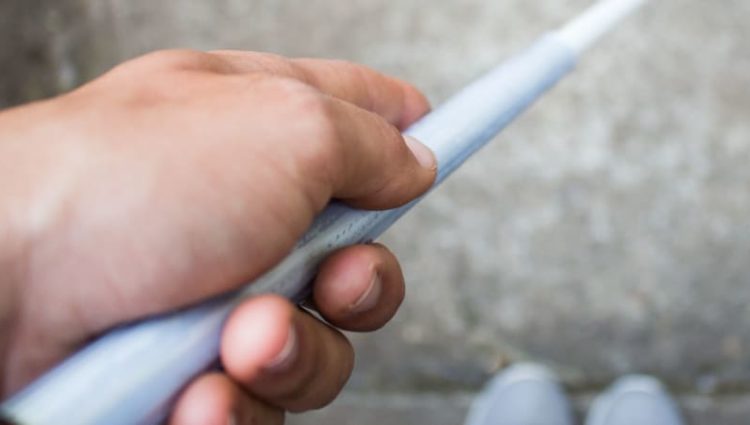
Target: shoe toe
635,400
524,394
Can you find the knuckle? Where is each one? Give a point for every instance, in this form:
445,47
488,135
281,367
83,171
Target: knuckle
295,95
348,66
289,90
176,59
340,369
347,364
321,121
312,109
320,147
332,371
154,77
299,94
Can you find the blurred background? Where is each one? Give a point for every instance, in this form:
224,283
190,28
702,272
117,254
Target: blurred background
605,232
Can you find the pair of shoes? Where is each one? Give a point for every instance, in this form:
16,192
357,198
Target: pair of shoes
528,394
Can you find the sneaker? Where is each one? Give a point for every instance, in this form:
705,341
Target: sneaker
635,399
524,394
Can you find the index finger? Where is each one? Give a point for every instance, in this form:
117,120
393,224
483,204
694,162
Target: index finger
398,102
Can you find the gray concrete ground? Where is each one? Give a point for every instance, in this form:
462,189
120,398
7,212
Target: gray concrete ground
451,408
605,232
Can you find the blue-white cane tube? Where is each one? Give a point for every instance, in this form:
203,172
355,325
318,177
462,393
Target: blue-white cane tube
133,374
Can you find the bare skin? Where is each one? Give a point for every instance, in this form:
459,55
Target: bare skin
180,175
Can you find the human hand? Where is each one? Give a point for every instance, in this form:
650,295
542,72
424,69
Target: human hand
181,175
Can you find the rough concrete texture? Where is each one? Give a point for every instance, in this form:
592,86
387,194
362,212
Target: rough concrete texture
605,232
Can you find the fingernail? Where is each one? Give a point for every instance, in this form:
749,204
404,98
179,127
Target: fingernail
422,153
369,299
286,357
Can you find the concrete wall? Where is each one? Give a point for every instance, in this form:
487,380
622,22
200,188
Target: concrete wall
605,232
